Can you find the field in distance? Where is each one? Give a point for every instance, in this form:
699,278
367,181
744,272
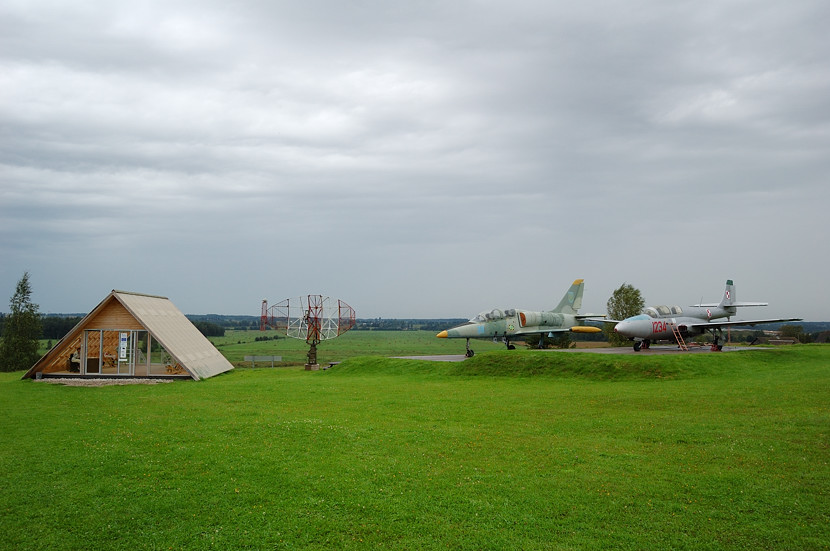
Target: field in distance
235,345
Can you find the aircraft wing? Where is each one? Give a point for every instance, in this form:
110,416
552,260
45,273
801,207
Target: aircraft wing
600,320
715,304
741,323
534,330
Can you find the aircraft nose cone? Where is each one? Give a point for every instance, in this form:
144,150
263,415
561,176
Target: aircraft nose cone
623,328
442,335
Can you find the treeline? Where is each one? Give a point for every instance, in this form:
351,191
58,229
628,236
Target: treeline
55,327
251,323
52,326
209,329
380,324
234,323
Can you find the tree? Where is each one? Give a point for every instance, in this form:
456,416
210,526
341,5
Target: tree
795,332
564,341
18,348
625,302
210,329
56,327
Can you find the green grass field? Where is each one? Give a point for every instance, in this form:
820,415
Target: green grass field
235,345
507,450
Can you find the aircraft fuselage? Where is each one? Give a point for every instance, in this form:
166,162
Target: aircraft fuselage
676,323
515,323
656,323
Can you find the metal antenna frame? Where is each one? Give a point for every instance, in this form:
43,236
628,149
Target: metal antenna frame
312,318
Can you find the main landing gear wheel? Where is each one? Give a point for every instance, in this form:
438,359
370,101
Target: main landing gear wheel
643,344
716,345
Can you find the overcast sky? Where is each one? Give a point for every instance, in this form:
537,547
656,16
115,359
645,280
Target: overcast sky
415,159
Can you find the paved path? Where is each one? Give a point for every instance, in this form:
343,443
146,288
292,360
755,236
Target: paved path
443,358
654,350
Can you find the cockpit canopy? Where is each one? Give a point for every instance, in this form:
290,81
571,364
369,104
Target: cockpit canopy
493,315
663,311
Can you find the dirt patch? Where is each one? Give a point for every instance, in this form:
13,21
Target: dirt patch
102,382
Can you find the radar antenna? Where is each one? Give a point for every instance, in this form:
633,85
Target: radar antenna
313,318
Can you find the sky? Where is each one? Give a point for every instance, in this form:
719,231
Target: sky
416,159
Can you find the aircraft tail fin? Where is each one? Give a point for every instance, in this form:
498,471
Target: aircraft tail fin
728,300
572,301
728,295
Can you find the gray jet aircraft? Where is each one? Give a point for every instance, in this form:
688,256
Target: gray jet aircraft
516,324
678,324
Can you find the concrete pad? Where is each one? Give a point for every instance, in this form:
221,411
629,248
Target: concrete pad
655,350
442,358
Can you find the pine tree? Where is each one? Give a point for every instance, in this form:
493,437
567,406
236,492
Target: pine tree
18,347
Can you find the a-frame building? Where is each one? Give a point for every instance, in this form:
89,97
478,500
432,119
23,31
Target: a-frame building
133,335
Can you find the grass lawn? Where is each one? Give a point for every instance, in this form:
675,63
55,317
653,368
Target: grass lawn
507,450
235,345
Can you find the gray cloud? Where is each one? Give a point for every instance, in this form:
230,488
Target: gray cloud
423,160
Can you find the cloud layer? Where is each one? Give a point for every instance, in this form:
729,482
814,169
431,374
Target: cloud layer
422,160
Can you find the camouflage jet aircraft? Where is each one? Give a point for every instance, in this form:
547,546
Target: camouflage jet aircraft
517,324
678,324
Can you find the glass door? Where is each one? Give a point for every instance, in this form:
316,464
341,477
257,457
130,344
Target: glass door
112,351
126,353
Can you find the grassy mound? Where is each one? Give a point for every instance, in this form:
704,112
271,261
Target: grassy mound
379,365
605,367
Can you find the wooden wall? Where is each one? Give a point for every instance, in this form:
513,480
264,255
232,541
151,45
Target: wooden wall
61,360
113,316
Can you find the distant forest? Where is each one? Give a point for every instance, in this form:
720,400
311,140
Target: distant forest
55,326
249,323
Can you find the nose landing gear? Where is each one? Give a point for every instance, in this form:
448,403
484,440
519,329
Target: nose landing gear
645,343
